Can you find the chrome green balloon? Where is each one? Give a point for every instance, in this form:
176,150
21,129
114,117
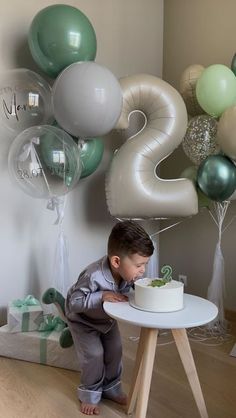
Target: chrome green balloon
191,174
216,89
216,177
91,155
60,35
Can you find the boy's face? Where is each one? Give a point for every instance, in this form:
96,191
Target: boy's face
131,267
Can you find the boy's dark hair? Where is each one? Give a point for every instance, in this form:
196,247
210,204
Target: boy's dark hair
127,238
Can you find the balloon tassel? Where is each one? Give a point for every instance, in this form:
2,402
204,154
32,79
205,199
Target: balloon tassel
61,265
216,288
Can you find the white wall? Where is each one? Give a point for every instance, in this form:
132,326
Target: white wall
198,32
129,35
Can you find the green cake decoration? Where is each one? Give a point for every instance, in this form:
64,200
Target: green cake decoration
166,270
158,282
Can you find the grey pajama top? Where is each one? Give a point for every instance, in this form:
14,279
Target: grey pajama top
84,299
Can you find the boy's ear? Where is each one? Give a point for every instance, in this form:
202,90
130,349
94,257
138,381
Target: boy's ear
115,261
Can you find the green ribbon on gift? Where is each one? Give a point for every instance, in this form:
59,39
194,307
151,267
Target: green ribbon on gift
23,304
49,324
28,301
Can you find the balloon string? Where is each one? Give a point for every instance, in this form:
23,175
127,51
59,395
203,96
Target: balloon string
57,204
165,229
64,174
44,176
230,222
220,209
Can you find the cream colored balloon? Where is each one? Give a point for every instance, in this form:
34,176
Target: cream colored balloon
133,189
226,132
187,88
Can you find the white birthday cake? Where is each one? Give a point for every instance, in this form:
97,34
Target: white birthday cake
158,295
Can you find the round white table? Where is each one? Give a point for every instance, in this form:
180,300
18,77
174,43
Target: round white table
197,311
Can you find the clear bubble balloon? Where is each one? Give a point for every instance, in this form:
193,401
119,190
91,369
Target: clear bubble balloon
25,100
87,100
45,162
200,138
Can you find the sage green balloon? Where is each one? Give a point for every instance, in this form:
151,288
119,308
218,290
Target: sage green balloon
216,89
60,155
217,177
91,152
191,174
60,35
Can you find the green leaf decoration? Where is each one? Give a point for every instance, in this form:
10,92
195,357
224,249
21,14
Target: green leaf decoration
158,282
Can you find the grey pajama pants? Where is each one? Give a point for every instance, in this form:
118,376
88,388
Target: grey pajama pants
100,362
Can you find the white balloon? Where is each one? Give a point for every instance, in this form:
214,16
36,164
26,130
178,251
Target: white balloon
226,132
87,99
133,189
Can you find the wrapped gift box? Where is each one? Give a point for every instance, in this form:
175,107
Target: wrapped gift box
37,347
24,315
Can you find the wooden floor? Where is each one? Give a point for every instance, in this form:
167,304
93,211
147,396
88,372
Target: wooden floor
29,390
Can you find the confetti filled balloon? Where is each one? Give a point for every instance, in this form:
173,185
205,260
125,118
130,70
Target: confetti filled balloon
200,138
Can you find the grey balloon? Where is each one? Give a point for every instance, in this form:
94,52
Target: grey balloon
87,100
133,189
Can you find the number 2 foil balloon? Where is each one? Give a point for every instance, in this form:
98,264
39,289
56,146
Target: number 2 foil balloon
133,188
25,100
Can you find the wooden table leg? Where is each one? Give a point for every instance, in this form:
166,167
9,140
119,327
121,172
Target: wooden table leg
145,371
184,349
132,397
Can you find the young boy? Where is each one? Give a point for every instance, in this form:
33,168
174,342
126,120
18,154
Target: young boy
96,336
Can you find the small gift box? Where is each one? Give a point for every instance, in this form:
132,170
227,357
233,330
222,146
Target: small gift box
39,346
24,314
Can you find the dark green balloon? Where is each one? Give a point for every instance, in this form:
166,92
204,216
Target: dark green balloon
91,155
60,35
217,177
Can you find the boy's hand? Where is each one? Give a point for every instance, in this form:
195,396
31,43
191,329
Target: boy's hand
108,296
